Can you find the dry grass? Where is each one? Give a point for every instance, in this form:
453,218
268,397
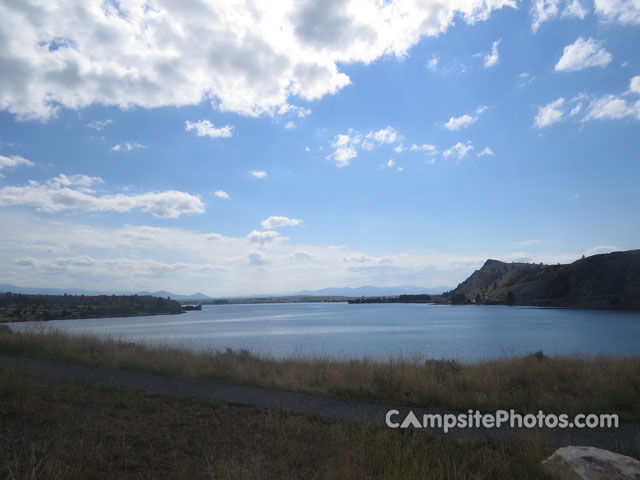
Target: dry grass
527,384
55,429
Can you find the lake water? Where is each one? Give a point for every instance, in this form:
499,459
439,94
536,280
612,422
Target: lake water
465,333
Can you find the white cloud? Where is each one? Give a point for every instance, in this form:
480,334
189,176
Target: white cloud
583,54
390,163
575,110
249,58
543,10
368,145
204,128
300,112
278,222
79,269
486,151
262,238
612,107
423,148
290,125
258,173
73,193
433,63
222,194
126,147
255,258
307,149
26,261
574,9
381,137
550,113
386,135
626,12
301,255
524,79
81,182
99,124
605,107
458,151
345,146
345,150
492,58
456,123
634,84
12,162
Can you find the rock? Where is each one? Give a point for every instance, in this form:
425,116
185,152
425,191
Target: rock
590,463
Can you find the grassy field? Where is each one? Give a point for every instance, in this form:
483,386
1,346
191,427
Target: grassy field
526,384
54,429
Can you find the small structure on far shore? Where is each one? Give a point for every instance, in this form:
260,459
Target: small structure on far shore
187,308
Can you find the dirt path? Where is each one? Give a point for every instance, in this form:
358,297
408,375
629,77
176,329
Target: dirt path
625,439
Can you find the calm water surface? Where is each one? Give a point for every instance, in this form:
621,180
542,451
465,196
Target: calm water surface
466,333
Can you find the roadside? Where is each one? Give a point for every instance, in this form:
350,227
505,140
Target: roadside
624,439
53,428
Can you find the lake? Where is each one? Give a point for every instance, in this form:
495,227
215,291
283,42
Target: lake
465,333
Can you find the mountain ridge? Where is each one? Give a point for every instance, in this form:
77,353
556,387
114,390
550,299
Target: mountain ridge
371,291
365,290
7,287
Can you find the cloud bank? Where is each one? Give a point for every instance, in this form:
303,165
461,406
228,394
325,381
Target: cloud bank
251,58
75,193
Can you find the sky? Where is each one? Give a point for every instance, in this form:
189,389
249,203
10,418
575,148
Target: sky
242,147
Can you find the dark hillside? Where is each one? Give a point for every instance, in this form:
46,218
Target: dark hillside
17,307
607,281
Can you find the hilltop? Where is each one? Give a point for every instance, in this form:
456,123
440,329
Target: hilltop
607,281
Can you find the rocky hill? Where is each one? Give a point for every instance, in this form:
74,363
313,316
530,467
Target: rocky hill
608,281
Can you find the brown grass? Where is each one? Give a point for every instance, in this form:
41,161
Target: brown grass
527,384
55,429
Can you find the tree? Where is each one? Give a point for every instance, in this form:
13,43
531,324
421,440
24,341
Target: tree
458,298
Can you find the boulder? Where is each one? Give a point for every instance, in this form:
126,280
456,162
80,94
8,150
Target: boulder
590,463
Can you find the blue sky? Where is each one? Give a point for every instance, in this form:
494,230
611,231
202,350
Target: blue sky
237,149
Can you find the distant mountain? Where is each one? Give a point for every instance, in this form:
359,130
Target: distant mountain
5,287
607,281
368,291
162,293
